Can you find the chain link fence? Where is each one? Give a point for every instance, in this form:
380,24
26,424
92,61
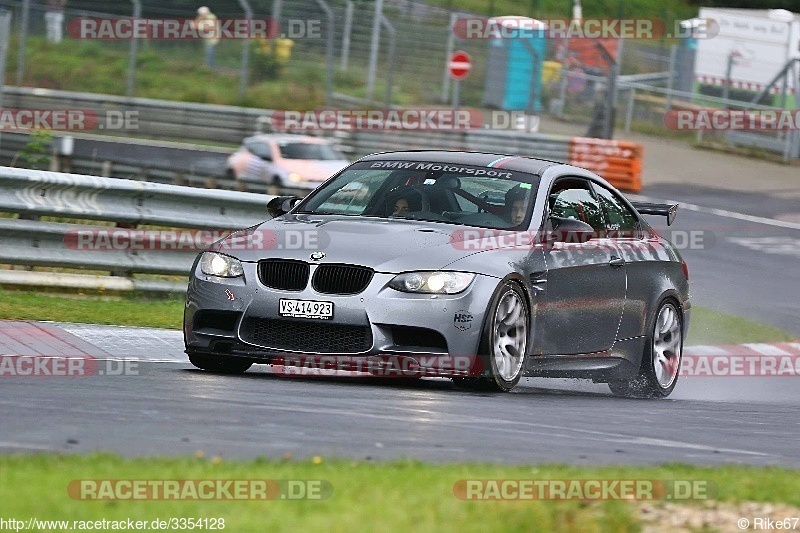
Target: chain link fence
382,53
336,38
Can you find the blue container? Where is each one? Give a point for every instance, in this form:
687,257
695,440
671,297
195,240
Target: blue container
514,67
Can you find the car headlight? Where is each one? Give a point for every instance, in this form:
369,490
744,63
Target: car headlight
295,177
432,282
224,266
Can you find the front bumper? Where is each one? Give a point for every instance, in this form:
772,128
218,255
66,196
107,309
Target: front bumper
377,328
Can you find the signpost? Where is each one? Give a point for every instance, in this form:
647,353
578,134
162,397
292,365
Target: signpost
459,67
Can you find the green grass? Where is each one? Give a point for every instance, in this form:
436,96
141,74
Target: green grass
176,73
707,326
121,311
713,327
396,496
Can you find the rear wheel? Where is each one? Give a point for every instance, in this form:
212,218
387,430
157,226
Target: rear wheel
504,341
661,360
224,365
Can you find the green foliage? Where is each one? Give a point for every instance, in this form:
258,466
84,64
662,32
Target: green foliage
35,154
171,73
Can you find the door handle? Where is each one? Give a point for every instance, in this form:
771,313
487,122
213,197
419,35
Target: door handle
616,261
538,284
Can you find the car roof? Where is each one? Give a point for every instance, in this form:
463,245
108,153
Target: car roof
482,159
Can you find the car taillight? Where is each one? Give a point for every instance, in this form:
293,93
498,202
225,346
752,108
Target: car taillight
685,269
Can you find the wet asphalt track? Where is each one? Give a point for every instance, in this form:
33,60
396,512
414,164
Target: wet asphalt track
164,406
170,408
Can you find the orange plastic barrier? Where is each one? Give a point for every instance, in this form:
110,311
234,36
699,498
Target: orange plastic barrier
619,162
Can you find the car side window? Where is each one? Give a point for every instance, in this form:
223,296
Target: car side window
578,203
259,149
622,222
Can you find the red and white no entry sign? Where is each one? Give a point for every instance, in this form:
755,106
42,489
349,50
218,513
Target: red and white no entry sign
459,65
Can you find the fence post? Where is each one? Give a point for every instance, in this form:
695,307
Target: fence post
23,39
276,11
348,27
673,52
248,14
727,87
373,49
5,26
445,96
137,13
629,110
329,59
562,95
390,71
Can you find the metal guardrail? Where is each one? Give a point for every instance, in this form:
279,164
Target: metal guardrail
551,147
124,203
35,192
156,119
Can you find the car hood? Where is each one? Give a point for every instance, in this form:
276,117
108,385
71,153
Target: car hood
314,170
384,245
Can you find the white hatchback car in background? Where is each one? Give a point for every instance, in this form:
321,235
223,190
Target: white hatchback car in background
285,160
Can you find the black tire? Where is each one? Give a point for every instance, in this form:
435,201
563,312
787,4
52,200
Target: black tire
474,384
221,364
514,327
661,359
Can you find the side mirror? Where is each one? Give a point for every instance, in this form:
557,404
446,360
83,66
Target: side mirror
570,230
280,205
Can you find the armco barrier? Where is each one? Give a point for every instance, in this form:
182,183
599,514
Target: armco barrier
552,147
36,192
181,163
619,162
156,119
124,203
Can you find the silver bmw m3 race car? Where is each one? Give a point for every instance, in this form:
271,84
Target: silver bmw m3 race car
480,267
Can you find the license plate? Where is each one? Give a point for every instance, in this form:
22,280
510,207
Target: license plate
306,309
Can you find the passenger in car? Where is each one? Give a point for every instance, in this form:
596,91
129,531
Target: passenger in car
400,206
516,204
402,200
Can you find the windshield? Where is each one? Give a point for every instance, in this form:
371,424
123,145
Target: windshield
454,194
298,150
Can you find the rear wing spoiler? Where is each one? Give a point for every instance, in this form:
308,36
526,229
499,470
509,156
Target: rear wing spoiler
665,210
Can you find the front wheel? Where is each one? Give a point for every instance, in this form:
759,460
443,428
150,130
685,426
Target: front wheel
504,341
224,365
661,360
